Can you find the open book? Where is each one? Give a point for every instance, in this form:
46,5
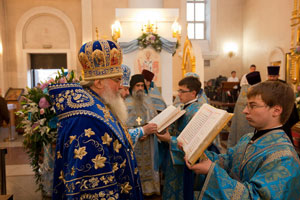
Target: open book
167,117
200,132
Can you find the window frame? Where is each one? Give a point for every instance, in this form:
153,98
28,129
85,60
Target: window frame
194,22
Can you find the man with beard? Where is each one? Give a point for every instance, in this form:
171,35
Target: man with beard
138,132
140,112
94,153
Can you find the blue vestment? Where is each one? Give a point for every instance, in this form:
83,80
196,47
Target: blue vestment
136,134
157,100
266,168
173,165
94,158
201,96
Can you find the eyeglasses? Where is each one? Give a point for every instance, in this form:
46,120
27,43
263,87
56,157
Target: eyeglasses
118,80
252,106
183,91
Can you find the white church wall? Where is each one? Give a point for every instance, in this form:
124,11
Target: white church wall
226,26
22,53
131,20
14,9
45,31
266,27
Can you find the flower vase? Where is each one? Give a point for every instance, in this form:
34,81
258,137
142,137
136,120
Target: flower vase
47,169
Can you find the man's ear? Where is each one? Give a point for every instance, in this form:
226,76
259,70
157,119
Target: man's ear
194,93
277,110
98,84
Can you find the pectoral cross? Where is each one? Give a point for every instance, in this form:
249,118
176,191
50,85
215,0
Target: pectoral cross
139,120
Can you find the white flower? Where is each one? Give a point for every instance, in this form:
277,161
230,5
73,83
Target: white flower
42,121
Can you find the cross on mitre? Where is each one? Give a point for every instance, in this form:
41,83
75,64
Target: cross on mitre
139,120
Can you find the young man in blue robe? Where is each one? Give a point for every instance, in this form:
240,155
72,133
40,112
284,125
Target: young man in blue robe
178,179
94,153
264,164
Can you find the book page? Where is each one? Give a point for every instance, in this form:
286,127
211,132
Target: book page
199,127
170,121
165,115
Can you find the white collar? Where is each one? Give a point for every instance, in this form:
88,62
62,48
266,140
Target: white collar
192,101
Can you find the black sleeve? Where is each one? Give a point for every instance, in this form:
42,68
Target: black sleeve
293,119
4,114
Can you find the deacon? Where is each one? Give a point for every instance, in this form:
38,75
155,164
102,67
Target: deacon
264,163
138,132
140,112
201,94
178,179
94,155
273,75
153,91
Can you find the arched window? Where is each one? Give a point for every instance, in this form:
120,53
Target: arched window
196,18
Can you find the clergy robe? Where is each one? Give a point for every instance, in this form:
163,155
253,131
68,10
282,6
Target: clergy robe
266,168
157,100
173,165
94,158
146,151
239,123
136,134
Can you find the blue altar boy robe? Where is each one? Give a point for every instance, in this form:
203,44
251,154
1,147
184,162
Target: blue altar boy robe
266,168
172,162
94,158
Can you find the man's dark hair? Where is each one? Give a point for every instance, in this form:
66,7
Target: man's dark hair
233,72
192,83
252,65
272,93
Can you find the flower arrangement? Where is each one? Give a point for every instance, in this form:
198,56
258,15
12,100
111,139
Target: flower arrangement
151,39
39,121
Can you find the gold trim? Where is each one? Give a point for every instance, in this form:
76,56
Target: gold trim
90,113
279,154
188,58
210,172
238,191
104,76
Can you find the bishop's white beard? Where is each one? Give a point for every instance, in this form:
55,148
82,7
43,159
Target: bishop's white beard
116,104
